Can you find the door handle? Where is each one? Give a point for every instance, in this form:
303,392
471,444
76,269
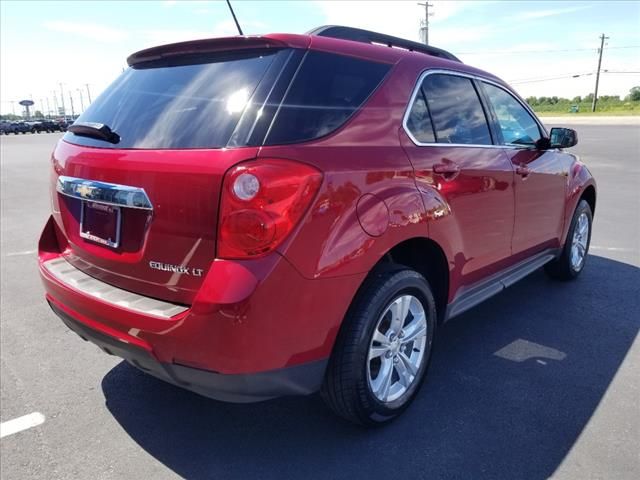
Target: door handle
523,171
448,170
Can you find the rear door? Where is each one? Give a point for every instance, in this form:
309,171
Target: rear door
541,175
452,152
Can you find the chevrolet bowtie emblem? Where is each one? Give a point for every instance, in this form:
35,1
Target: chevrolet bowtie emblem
84,190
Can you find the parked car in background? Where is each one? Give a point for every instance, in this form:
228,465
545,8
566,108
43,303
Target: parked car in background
5,128
251,217
14,127
48,126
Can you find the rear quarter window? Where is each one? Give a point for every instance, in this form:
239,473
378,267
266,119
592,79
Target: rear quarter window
324,94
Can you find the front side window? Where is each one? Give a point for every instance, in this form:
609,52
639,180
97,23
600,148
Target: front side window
517,125
456,110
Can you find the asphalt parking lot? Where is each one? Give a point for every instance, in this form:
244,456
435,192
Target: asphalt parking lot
540,381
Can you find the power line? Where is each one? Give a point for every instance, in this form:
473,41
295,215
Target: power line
507,52
545,79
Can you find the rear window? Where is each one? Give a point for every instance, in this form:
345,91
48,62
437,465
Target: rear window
179,105
325,92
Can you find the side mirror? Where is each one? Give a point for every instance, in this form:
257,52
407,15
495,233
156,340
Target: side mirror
563,138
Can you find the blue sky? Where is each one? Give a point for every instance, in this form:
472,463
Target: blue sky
529,43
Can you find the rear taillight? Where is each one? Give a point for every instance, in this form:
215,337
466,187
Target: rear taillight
262,201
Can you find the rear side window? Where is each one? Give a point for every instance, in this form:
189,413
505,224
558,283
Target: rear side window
419,120
325,92
456,110
517,125
178,105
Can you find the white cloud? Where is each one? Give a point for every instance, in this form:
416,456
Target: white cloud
535,14
91,31
162,36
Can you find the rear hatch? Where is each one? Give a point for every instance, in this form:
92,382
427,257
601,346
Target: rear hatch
141,212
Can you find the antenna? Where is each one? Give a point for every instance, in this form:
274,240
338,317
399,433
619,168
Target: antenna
234,18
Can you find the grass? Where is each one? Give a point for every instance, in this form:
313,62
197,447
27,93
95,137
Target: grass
603,109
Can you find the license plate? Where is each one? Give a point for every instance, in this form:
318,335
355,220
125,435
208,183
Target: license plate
100,223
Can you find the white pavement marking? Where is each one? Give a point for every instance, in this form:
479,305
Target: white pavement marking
26,252
21,423
611,249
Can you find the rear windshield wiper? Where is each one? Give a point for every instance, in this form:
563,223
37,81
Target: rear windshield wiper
95,130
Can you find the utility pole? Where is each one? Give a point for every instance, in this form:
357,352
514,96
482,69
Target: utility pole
64,110
425,22
595,93
88,93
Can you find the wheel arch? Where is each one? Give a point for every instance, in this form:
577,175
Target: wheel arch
425,256
589,195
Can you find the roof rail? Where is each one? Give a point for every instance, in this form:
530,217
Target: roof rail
366,36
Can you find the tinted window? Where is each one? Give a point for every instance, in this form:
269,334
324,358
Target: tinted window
419,120
325,92
182,105
456,110
517,125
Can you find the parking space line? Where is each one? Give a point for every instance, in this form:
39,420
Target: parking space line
611,249
25,252
21,423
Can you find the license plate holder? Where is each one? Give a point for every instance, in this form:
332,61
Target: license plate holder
100,223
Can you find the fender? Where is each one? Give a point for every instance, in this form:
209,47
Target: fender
580,178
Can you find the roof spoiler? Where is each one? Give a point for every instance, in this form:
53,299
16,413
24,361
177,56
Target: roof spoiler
375,38
199,47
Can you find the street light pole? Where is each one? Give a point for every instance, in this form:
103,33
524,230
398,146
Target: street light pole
56,110
81,100
88,93
73,114
64,111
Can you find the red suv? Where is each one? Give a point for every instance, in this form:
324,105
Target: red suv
252,217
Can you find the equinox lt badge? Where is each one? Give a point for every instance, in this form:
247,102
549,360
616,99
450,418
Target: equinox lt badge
180,269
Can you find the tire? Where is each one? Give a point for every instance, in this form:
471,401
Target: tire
566,267
354,386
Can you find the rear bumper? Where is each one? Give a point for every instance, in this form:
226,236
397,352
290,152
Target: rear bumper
298,380
255,329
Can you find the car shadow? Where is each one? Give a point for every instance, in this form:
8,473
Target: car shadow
512,385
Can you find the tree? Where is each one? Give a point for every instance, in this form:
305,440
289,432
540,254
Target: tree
634,94
38,114
577,99
532,101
